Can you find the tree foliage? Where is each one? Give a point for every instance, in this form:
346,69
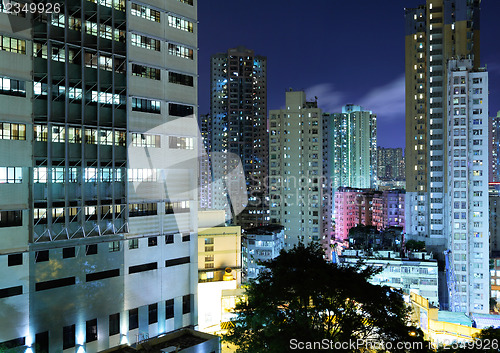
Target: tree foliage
303,297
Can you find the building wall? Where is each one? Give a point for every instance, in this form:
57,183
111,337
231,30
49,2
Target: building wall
468,186
494,167
238,109
295,152
97,239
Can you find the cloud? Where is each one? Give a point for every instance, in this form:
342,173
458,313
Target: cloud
329,99
387,101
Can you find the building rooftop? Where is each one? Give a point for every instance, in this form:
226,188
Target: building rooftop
271,228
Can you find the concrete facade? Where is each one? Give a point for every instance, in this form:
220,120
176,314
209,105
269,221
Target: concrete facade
99,114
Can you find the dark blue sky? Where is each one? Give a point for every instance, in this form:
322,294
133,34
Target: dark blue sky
341,51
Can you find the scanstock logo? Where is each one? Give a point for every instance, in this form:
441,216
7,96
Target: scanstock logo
28,10
175,168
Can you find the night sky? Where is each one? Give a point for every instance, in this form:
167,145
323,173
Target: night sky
340,51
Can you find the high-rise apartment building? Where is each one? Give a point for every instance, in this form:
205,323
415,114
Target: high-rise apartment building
351,147
390,164
295,167
99,168
495,149
349,156
466,202
238,109
205,194
446,104
435,33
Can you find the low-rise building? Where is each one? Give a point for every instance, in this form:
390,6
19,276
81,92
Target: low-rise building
417,273
258,245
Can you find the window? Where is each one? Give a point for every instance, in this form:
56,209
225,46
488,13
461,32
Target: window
12,45
11,218
209,241
68,336
153,313
97,276
145,140
143,268
186,237
133,244
11,291
176,207
92,330
169,239
186,304
15,259
146,71
12,87
176,262
68,252
146,105
178,142
114,324
133,319
42,256
145,12
189,2
180,110
91,249
152,241
145,42
169,309
114,246
11,175
142,209
180,51
180,23
11,131
181,79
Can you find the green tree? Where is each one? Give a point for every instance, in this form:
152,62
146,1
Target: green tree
415,245
303,297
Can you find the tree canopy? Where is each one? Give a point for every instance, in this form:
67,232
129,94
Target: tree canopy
302,297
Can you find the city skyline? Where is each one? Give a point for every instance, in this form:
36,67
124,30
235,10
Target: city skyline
364,77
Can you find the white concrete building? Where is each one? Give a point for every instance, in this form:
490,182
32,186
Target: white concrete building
466,208
295,167
98,139
417,274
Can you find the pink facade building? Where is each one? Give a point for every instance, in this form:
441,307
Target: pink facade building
367,207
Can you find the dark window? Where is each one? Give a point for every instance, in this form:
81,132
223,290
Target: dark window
56,283
11,218
169,239
178,261
114,324
152,241
153,313
169,309
142,268
15,259
41,256
181,79
180,109
68,336
186,304
133,319
102,275
68,252
11,291
16,342
146,71
186,237
42,342
91,249
92,330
